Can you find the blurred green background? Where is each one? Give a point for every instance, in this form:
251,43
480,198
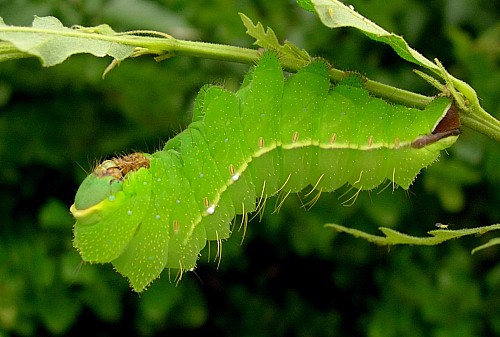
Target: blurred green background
291,276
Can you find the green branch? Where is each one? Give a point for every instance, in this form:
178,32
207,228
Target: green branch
117,43
174,47
53,43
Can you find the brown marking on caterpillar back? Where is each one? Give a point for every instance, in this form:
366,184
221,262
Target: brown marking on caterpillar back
295,137
432,138
450,121
231,169
261,142
370,141
448,126
119,167
176,225
131,162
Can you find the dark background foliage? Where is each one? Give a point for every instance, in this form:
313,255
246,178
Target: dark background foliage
291,276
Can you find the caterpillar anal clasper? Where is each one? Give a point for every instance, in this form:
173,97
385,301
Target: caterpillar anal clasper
147,212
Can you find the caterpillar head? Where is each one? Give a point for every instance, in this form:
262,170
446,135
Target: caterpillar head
106,180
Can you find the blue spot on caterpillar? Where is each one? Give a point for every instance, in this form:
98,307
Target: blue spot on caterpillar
147,212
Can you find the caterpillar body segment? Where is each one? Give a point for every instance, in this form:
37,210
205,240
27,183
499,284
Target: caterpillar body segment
272,135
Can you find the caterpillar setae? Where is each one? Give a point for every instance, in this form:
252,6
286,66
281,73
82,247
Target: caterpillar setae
147,212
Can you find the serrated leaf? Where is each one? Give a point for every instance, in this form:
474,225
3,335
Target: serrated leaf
266,38
53,43
438,236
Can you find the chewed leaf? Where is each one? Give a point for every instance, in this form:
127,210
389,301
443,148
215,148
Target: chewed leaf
53,43
393,237
266,38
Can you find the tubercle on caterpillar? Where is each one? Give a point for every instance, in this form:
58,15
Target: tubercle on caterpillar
247,151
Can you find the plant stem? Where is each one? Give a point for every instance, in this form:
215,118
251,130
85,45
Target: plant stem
478,120
475,118
168,47
482,122
248,56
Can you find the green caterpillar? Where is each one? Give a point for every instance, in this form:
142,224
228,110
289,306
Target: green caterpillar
147,212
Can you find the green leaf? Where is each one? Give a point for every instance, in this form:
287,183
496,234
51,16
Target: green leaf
53,43
306,4
266,38
491,243
393,237
335,14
